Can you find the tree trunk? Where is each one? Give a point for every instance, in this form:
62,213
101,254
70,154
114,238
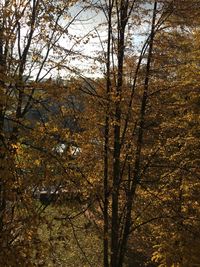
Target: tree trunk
106,141
136,171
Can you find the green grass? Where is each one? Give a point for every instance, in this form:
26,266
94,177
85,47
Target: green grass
67,242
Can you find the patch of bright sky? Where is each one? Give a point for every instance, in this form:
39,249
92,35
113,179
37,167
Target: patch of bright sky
88,26
90,29
92,24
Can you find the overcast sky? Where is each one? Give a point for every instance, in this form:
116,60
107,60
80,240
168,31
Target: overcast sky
87,25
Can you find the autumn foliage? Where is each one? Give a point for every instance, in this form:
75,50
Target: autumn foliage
115,153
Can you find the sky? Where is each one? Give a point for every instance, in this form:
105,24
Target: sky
88,37
88,22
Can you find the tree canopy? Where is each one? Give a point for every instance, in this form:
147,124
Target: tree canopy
99,133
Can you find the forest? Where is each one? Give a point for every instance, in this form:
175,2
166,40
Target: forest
100,133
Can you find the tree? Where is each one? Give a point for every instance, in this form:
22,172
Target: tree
120,143
132,134
30,52
120,168
178,164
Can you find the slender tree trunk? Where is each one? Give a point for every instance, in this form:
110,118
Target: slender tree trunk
135,179
2,71
106,141
122,20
